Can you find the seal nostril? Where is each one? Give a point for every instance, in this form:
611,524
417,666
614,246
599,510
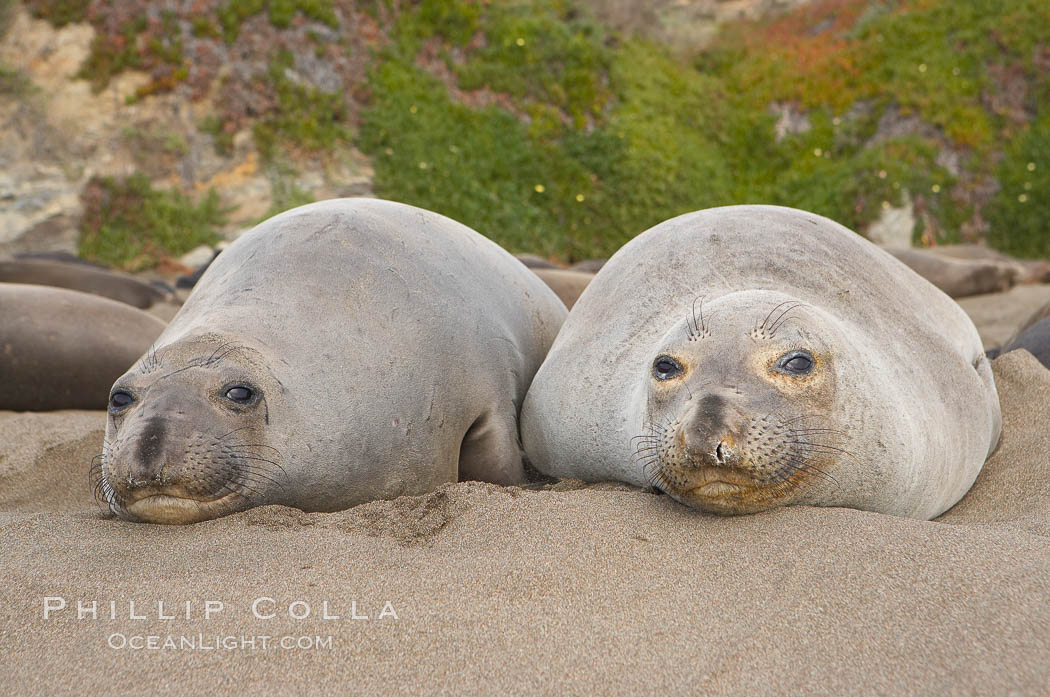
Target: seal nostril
720,453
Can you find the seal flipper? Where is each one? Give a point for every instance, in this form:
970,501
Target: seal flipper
491,451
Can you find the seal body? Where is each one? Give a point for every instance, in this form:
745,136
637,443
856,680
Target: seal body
1035,339
83,277
61,349
959,278
745,357
338,353
568,285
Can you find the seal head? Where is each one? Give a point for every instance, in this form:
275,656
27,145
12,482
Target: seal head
741,408
191,433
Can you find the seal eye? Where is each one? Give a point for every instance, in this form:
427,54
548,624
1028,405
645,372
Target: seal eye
239,394
665,368
796,363
120,400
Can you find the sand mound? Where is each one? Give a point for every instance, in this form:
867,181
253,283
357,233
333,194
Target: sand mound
568,589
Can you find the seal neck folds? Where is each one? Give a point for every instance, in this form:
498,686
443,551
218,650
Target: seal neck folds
739,405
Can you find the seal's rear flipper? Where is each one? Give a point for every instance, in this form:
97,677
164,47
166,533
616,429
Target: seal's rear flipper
491,451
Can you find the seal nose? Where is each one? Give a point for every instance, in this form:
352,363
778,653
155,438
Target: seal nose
146,468
707,434
160,443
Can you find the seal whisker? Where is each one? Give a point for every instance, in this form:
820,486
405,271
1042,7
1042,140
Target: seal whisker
799,463
257,475
242,428
801,417
779,321
257,445
260,475
827,449
222,347
770,315
236,451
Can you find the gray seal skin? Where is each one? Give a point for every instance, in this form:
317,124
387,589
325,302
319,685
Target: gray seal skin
82,277
61,349
746,357
567,285
1035,339
959,278
340,352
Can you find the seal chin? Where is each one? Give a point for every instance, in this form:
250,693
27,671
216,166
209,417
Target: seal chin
718,489
169,509
726,491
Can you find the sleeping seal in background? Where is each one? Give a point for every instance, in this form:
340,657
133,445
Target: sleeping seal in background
1033,336
62,349
87,278
338,353
747,357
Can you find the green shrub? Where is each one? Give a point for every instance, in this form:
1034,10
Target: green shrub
305,117
1019,216
280,13
477,166
129,224
640,135
59,12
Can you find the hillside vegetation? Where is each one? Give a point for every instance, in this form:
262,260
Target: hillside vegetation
549,133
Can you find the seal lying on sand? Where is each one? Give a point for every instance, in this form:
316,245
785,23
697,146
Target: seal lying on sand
566,284
959,278
1034,338
83,277
752,356
1033,335
340,352
60,349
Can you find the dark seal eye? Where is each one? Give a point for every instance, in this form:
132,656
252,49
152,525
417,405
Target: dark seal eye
665,368
240,394
120,400
796,363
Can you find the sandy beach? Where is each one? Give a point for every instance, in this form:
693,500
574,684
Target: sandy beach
600,589
156,151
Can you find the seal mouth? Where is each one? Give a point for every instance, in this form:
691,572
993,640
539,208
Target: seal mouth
717,489
720,481
170,509
726,491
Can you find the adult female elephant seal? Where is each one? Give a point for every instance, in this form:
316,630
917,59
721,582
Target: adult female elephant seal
752,356
337,353
61,349
82,277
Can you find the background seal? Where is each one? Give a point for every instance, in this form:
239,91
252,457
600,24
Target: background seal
62,349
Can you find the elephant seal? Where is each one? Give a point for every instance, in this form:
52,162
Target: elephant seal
340,352
566,284
1028,270
1036,317
1035,339
61,349
536,262
747,357
83,277
1033,335
959,278
589,265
